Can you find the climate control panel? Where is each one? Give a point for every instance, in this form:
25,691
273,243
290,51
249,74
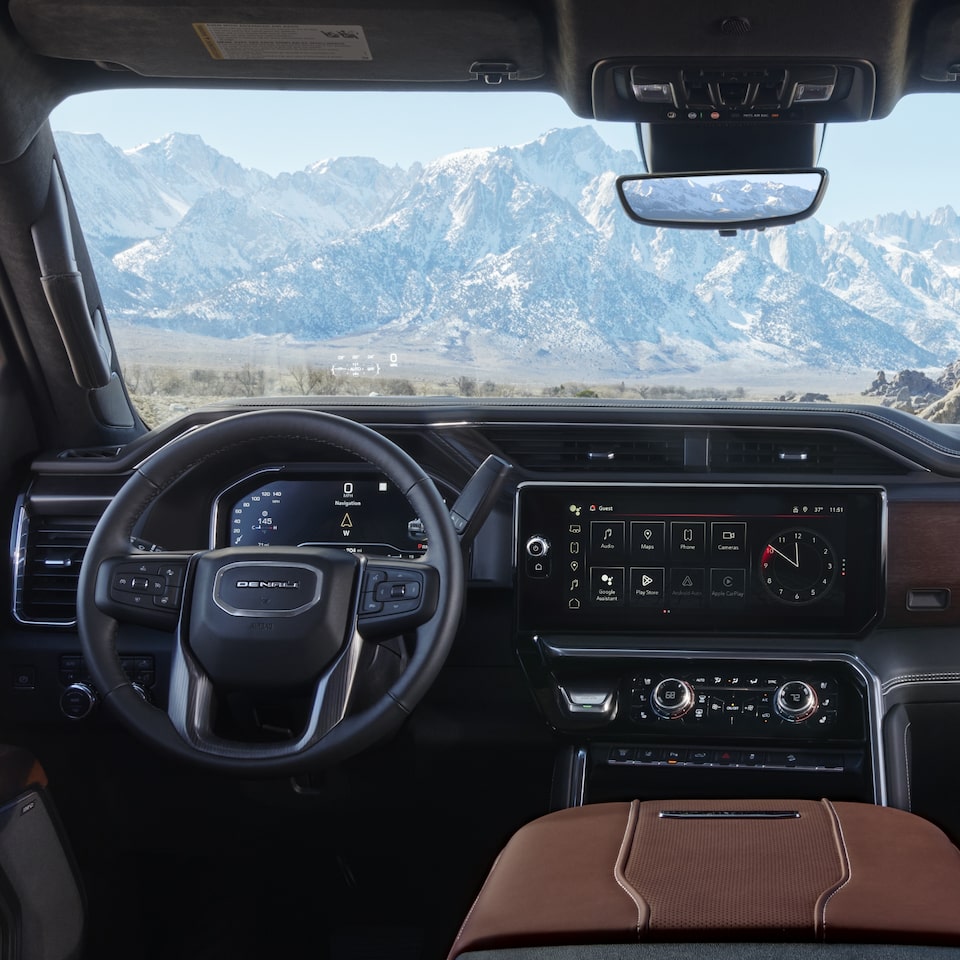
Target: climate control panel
747,703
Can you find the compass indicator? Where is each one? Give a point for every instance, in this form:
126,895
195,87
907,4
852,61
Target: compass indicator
798,566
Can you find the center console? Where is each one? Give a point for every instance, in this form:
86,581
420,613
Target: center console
662,628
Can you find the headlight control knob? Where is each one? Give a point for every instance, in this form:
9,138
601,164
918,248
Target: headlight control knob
671,698
795,701
538,546
78,701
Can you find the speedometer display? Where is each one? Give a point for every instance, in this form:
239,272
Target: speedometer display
361,512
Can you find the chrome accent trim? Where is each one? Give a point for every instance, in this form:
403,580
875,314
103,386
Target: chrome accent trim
729,815
271,614
578,787
870,679
218,504
18,556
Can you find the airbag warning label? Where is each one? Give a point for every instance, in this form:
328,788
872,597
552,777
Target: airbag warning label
283,41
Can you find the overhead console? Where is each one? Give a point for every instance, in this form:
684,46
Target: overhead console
752,91
635,559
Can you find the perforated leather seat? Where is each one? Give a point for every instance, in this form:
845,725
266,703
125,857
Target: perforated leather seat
732,870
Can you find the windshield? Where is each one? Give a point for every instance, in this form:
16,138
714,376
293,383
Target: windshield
440,244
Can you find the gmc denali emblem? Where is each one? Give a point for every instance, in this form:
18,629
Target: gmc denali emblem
270,584
267,588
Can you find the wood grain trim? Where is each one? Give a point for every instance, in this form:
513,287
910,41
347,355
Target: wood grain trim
923,553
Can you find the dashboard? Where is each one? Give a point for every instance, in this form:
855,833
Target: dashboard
689,600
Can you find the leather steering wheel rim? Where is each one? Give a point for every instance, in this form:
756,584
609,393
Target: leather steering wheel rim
99,630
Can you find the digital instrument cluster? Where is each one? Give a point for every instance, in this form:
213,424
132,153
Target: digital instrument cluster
771,559
352,509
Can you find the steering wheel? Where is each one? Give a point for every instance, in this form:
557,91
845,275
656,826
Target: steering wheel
292,624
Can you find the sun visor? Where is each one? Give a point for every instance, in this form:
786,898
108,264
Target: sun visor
941,46
482,40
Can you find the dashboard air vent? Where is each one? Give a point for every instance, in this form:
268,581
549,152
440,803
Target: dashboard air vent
565,449
799,452
90,453
49,553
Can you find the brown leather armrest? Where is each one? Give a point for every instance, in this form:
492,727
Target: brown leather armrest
695,870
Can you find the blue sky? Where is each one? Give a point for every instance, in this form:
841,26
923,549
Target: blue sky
905,162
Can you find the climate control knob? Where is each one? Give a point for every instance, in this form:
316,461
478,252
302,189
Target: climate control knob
795,701
671,698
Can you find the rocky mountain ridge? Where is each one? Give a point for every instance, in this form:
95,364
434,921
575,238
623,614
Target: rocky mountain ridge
510,253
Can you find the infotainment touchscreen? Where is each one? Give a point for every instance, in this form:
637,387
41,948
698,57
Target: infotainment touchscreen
715,559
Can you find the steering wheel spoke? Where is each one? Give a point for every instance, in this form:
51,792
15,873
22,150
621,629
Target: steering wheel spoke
143,588
194,704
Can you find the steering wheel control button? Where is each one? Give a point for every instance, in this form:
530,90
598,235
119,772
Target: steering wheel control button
149,586
405,590
672,698
170,598
795,701
78,701
396,597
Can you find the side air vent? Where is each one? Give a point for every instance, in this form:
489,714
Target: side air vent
570,449
789,452
90,453
49,553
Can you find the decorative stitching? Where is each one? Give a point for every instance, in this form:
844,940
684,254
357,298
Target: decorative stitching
848,870
920,678
906,764
643,910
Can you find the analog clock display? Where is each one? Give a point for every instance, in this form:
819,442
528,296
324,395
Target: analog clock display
798,566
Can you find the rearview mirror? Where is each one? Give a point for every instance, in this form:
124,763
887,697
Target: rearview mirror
726,200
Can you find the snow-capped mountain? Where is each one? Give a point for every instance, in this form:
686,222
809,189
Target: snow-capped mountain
515,252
